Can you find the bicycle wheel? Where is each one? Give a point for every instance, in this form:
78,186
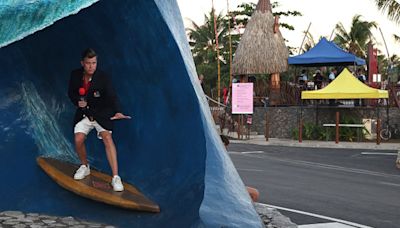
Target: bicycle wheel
385,134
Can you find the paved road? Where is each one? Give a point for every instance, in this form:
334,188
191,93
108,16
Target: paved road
340,183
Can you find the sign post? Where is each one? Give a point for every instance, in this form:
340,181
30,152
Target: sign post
242,100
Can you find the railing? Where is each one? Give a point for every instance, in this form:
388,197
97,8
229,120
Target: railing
229,124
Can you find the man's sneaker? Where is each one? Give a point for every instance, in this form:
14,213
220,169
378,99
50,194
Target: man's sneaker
82,172
116,183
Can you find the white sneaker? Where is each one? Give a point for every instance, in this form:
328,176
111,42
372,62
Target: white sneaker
116,183
82,172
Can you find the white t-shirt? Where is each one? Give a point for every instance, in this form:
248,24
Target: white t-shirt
331,76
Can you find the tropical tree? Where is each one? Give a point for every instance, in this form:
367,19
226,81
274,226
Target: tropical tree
203,43
202,40
356,40
391,7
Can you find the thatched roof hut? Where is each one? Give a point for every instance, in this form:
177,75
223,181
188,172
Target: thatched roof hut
262,49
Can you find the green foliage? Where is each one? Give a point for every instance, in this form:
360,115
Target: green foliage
355,41
202,40
311,131
391,8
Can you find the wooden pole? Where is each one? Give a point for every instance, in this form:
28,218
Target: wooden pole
217,49
301,123
266,127
337,128
378,127
230,44
239,126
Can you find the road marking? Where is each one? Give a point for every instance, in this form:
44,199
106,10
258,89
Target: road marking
390,184
246,152
326,225
334,167
319,216
377,153
252,170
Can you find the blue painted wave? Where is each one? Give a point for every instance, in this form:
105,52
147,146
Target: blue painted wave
170,149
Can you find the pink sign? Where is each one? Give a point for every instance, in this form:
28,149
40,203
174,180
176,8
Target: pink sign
242,98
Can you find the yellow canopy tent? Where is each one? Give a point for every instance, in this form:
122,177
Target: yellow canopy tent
345,86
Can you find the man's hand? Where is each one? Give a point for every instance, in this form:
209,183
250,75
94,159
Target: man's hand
82,104
119,116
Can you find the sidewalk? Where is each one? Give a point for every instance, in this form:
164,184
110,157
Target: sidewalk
260,140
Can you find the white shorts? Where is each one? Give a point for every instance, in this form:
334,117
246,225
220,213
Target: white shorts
85,126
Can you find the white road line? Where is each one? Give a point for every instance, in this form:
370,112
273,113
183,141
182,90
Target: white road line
326,225
333,167
390,184
377,153
252,170
319,216
246,152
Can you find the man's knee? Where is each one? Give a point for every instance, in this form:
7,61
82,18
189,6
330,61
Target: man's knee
80,138
107,137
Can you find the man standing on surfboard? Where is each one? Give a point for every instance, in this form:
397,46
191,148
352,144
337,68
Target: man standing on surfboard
97,106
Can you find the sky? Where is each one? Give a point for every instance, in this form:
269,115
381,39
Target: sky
323,16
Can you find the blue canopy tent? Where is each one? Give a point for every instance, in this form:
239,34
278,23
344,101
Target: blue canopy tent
326,53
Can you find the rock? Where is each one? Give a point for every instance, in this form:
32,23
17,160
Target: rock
272,218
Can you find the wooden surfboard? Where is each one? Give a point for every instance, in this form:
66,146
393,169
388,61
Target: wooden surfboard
96,186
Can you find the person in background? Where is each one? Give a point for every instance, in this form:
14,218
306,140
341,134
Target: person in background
303,79
332,75
254,194
225,94
318,79
361,76
201,80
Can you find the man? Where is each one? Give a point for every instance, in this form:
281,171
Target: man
332,75
361,76
97,106
303,79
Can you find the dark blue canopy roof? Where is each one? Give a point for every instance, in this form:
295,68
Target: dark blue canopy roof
326,53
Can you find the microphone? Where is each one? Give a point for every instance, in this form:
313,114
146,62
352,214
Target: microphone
82,93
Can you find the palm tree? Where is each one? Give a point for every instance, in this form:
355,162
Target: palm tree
203,43
202,38
355,41
391,7
396,38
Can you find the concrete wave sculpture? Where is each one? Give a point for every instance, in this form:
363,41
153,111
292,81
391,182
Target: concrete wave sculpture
170,150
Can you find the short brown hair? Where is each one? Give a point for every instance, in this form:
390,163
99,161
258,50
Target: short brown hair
88,53
225,140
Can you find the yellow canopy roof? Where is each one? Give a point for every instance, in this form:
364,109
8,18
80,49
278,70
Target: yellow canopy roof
345,86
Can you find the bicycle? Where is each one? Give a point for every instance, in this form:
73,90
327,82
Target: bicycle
388,131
